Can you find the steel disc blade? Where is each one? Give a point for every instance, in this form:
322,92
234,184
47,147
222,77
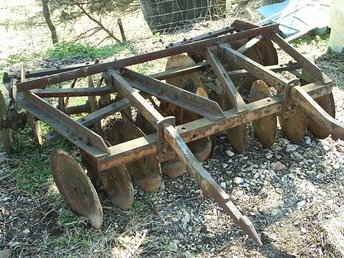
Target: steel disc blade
201,148
119,187
327,103
173,168
268,52
294,125
238,137
76,187
264,53
6,133
146,172
266,127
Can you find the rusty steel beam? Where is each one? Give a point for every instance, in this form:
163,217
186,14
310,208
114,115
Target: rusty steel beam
169,134
94,117
98,68
255,68
308,65
225,81
79,92
314,110
141,147
178,96
203,36
72,92
81,136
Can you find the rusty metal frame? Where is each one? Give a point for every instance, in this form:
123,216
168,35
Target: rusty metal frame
78,134
99,68
170,140
141,147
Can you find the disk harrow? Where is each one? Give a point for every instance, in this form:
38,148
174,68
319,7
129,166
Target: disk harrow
138,127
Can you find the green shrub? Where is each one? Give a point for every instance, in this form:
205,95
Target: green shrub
68,51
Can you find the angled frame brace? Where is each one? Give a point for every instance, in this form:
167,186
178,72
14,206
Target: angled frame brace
81,136
226,82
180,97
255,68
174,139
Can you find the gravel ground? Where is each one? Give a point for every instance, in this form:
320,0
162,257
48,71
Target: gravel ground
288,191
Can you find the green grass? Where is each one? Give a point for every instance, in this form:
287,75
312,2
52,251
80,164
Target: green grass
310,39
68,51
32,170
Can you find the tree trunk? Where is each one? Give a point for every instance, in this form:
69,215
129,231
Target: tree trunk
46,14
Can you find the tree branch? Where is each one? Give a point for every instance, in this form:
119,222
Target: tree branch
97,22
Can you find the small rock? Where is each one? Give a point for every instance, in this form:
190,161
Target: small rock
223,185
303,230
284,141
13,244
229,153
238,180
297,156
176,241
269,156
187,254
186,219
308,140
326,146
26,231
334,236
291,147
225,165
301,204
278,166
275,211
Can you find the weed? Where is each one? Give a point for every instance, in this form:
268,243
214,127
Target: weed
138,206
68,51
33,173
18,58
68,217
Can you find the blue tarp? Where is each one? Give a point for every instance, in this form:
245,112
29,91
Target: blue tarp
296,16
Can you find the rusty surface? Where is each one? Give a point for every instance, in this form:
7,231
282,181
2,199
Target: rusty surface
308,65
81,136
327,103
76,187
98,68
254,68
70,92
143,146
78,92
95,116
313,109
178,96
226,82
176,142
203,36
207,183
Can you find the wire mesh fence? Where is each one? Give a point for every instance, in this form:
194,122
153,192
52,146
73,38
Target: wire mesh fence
169,15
